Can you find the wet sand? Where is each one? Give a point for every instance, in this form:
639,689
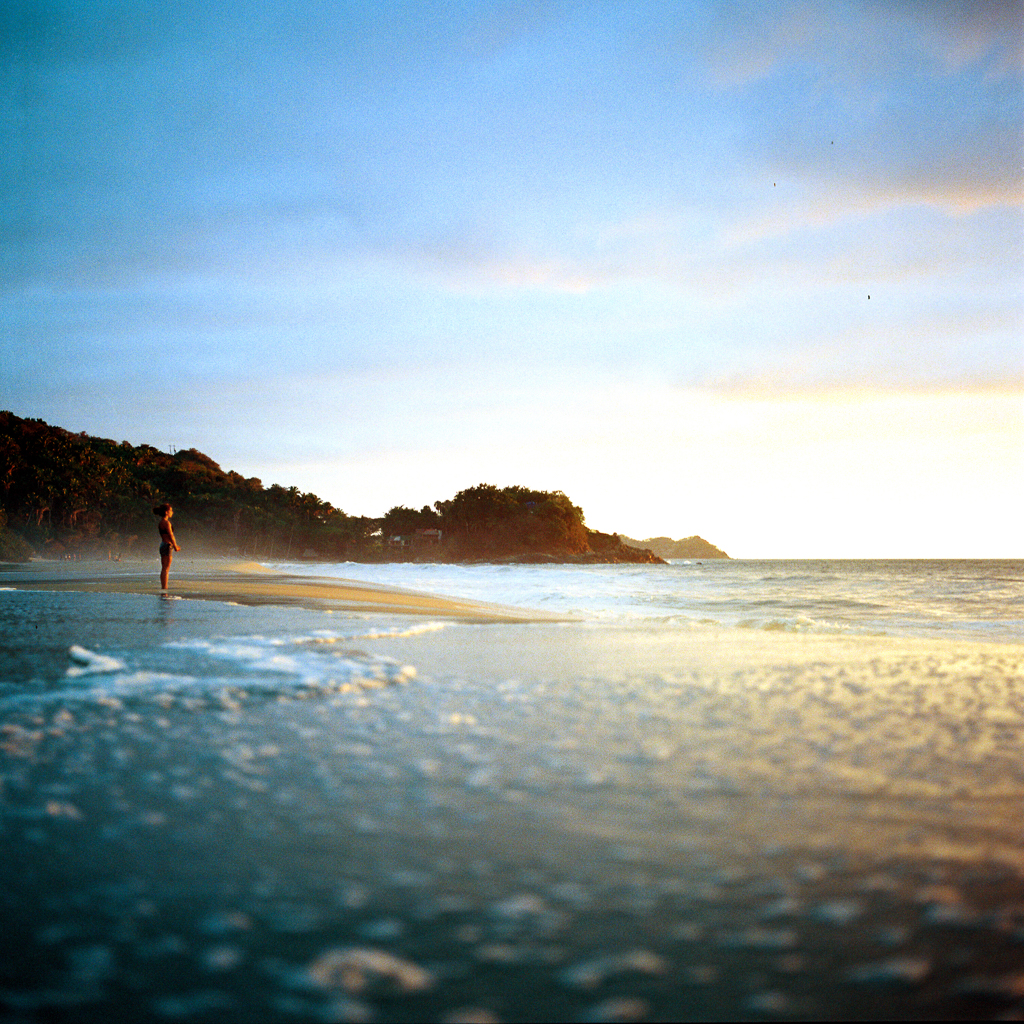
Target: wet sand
237,817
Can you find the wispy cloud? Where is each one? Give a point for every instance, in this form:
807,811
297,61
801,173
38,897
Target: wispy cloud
963,33
831,208
750,42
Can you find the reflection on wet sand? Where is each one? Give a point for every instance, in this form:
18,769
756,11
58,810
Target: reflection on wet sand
249,813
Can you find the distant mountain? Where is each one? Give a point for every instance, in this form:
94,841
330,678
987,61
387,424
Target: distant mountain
688,547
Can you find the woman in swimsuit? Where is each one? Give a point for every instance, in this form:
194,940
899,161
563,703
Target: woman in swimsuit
167,541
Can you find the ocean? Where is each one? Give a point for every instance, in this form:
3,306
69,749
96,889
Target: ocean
982,600
702,791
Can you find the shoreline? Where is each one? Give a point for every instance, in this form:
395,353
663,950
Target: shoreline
250,583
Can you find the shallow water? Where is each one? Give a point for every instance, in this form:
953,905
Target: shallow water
218,812
969,599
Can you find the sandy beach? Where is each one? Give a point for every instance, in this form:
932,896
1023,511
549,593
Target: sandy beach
295,800
214,579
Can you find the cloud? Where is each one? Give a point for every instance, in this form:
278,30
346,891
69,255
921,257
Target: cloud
817,241
396,181
933,352
962,33
751,42
829,208
497,266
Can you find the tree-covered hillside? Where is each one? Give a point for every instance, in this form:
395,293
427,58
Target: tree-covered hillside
66,494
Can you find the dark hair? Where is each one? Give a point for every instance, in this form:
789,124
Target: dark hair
161,510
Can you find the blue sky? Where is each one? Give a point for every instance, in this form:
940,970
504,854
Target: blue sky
384,251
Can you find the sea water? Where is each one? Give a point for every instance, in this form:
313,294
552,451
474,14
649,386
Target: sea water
717,790
939,598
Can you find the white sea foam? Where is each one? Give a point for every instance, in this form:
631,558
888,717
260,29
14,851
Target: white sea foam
401,631
113,691
90,663
311,660
133,684
273,665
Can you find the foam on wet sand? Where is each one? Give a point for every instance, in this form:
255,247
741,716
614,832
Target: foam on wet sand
267,812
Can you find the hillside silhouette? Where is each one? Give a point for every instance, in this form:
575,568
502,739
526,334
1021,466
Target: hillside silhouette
67,495
688,547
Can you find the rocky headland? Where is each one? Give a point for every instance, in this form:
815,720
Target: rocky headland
688,547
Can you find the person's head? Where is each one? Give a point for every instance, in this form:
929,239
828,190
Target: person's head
163,510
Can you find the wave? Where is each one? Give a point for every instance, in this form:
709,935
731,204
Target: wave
969,600
89,663
311,659
253,666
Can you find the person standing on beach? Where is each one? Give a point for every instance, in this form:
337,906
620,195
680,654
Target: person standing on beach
167,541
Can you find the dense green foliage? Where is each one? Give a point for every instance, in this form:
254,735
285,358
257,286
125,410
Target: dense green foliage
12,547
71,494
403,522
485,521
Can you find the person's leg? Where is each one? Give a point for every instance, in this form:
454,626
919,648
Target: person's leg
165,568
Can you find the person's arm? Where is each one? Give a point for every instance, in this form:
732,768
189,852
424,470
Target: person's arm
170,537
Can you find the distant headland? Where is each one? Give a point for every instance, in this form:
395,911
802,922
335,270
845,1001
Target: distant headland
688,547
67,495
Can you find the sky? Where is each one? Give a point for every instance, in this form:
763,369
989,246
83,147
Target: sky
748,270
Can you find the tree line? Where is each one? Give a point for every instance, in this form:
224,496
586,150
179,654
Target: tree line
74,495
68,494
